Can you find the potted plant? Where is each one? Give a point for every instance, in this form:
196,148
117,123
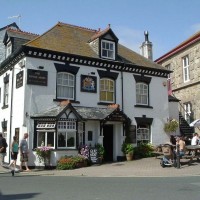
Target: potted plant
101,151
128,150
171,126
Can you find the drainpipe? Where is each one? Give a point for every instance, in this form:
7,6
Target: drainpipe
11,111
122,88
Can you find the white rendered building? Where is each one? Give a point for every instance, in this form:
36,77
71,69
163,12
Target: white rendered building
73,86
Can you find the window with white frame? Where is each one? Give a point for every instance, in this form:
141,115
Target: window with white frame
187,111
143,135
141,93
186,75
66,134
107,90
107,49
65,85
8,49
46,138
6,93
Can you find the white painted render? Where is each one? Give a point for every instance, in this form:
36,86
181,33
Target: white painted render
31,99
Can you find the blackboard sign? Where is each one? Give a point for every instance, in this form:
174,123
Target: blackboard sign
19,79
37,77
94,156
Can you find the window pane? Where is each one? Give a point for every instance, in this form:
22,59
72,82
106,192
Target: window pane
41,139
107,90
50,139
61,140
65,85
71,139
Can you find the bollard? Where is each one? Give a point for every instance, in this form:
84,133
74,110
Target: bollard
177,156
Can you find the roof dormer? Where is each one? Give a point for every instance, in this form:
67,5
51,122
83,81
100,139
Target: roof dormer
104,43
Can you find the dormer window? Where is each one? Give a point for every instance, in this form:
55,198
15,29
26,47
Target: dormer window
107,49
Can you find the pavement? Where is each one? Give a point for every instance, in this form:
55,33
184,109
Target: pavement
146,167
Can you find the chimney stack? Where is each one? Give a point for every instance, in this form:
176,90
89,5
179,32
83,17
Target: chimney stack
146,47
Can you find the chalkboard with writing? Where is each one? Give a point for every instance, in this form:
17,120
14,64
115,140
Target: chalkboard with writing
94,156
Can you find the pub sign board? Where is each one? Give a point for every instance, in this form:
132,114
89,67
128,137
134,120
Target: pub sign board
37,77
88,83
94,155
19,79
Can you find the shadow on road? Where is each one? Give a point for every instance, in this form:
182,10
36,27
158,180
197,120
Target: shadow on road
17,196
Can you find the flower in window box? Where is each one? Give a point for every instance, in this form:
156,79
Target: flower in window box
43,153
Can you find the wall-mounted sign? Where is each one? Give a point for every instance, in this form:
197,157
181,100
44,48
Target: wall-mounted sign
88,83
37,77
19,79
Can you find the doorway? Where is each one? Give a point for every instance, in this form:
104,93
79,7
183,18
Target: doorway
108,142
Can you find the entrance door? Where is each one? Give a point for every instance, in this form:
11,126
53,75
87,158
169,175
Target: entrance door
108,142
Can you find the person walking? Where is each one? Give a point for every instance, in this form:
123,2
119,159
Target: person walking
23,147
14,152
3,146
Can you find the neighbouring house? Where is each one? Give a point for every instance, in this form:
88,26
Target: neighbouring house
74,86
184,82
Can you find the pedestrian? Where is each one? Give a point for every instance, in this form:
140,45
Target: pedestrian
14,152
3,146
23,147
195,139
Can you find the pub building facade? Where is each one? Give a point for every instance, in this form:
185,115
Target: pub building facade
74,86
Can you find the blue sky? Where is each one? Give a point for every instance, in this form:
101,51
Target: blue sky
169,22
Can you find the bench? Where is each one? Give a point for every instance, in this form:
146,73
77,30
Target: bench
190,157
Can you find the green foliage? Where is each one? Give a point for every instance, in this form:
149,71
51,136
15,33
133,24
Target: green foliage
143,150
171,126
100,149
71,162
127,148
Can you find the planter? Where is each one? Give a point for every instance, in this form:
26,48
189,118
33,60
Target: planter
129,156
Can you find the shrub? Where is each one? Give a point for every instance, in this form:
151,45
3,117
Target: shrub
143,150
71,162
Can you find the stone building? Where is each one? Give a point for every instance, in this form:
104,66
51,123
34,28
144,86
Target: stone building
184,81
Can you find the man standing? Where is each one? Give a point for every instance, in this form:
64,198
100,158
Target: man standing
23,147
3,146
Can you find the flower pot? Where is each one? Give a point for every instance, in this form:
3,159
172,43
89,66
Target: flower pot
129,156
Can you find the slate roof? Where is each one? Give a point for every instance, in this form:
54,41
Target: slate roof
19,34
74,40
86,113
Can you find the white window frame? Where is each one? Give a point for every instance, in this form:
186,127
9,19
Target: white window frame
6,93
107,89
46,135
143,134
69,85
142,95
108,48
187,111
186,73
66,128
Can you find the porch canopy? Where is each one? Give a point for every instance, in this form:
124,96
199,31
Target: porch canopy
81,113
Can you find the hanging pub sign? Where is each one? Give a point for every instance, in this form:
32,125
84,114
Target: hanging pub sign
94,156
37,77
19,79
